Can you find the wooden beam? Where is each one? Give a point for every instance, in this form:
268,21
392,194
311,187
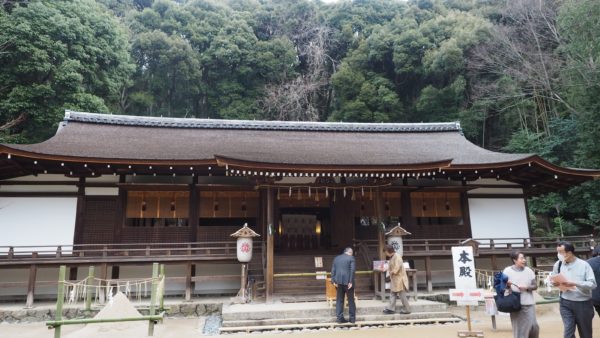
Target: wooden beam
270,233
466,216
120,212
428,279
80,212
31,286
103,276
194,210
188,281
380,211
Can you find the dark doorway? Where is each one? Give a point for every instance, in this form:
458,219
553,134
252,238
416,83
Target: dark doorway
303,229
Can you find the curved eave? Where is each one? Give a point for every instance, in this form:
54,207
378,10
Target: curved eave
243,164
530,161
100,160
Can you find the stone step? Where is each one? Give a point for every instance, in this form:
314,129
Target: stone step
237,312
332,324
359,318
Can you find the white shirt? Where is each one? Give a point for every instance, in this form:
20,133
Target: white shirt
521,278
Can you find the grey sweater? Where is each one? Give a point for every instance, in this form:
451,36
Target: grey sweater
580,273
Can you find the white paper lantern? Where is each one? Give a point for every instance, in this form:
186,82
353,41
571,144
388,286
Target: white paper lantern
396,242
244,243
244,249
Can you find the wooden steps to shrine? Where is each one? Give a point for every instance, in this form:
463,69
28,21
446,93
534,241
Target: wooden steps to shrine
314,315
310,285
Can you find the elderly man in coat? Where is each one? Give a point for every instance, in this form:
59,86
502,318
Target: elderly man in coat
342,276
399,281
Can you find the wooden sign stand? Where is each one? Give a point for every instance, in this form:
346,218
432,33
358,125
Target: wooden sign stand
469,332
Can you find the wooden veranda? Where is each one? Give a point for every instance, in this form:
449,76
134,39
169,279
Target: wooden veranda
115,255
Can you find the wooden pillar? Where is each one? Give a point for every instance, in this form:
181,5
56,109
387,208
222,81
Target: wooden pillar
103,276
73,273
494,263
464,199
428,279
188,281
31,285
408,221
193,208
120,211
270,233
80,212
380,212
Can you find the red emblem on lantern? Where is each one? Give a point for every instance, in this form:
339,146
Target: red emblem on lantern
245,247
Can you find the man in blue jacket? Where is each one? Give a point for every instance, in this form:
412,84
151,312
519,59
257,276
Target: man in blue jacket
342,277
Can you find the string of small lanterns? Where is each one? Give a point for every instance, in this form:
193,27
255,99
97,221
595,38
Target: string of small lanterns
433,174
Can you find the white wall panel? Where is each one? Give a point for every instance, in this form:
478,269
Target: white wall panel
36,221
498,218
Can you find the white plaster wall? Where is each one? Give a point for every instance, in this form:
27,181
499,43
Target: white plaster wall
208,269
496,191
498,218
38,188
44,177
96,191
37,221
14,275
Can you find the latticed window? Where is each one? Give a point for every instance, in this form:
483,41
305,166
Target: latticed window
157,208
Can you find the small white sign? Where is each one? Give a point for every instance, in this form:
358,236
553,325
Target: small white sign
321,275
466,295
318,262
464,267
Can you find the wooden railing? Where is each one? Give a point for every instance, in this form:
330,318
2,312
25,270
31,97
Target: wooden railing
121,251
442,247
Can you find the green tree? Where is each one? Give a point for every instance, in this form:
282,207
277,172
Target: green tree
59,55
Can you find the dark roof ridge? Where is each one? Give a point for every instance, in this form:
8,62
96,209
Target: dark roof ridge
170,122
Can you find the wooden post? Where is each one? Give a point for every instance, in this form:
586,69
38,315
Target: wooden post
120,211
188,282
380,221
103,275
79,213
60,298
270,248
31,286
73,273
244,279
428,279
469,317
88,294
161,296
152,311
194,206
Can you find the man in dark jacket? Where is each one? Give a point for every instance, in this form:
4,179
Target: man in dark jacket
342,277
595,264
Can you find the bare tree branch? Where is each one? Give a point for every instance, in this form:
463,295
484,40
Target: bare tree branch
14,122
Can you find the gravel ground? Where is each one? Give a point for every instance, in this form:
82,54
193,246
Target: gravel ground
212,325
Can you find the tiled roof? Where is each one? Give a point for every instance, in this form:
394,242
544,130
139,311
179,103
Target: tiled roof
168,122
100,136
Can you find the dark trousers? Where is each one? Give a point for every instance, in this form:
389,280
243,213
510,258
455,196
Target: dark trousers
597,307
343,291
577,314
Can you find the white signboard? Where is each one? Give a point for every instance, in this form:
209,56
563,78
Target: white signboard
466,297
464,267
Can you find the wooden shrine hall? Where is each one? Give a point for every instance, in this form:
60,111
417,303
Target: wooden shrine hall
120,192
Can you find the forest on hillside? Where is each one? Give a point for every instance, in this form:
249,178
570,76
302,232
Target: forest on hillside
519,75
